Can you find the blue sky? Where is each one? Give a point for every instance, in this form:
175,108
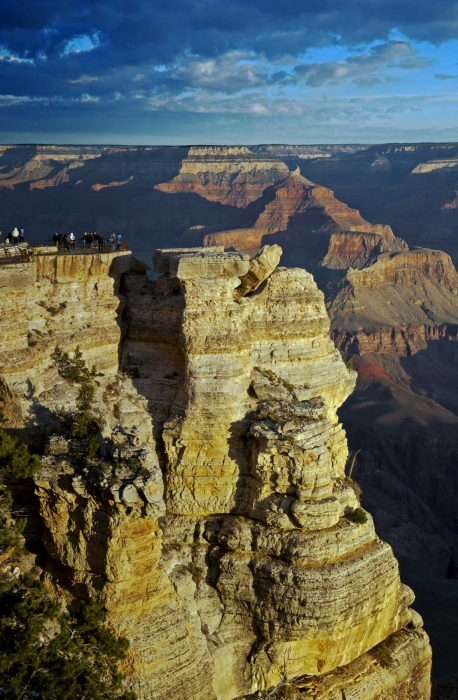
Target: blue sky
214,71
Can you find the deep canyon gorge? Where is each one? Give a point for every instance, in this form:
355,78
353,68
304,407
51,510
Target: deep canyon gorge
217,523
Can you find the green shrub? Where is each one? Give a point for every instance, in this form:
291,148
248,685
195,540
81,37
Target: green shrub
10,528
74,370
48,655
133,463
16,462
93,448
358,515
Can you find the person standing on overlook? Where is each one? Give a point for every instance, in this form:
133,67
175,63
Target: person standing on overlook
15,236
118,241
56,239
72,241
21,235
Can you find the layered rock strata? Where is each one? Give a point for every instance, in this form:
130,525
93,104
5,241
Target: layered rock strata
313,226
57,300
230,175
397,322
397,304
216,524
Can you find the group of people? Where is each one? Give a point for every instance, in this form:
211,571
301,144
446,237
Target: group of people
90,240
14,237
66,241
93,238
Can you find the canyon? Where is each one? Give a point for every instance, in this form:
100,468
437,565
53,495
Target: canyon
390,291
217,525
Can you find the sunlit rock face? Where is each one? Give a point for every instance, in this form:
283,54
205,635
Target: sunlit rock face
229,175
61,301
313,227
219,527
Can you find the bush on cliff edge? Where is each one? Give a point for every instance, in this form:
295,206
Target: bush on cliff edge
73,368
48,655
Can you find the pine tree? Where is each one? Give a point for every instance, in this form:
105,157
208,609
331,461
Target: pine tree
47,655
15,460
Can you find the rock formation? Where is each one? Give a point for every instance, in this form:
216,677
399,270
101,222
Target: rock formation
313,227
216,523
56,300
410,192
406,297
163,193
394,312
229,175
397,321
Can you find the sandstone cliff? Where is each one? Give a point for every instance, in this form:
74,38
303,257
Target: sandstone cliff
397,320
409,295
229,175
56,300
45,188
407,186
216,524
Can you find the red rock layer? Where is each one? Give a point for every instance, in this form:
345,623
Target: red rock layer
402,341
308,215
229,175
405,268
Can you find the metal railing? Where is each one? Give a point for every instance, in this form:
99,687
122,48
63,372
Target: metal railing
84,249
14,253
23,251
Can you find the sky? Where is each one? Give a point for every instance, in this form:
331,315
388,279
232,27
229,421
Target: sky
228,71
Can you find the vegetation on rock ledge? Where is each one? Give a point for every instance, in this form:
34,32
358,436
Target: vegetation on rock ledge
45,653
74,369
48,655
16,463
358,515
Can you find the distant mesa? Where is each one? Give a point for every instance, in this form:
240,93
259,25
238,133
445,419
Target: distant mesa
432,165
229,175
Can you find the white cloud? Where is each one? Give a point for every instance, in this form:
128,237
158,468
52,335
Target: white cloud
84,79
228,73
87,99
81,44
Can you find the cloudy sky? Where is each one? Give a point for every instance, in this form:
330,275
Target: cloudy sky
228,71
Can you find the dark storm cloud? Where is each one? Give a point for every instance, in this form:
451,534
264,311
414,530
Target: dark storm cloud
135,30
122,56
